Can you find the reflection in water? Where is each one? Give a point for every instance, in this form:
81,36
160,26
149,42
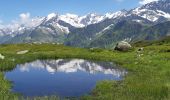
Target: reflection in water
61,77
71,66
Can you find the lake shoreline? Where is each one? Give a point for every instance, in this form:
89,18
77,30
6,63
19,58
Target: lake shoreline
143,81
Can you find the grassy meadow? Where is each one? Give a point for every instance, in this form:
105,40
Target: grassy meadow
148,70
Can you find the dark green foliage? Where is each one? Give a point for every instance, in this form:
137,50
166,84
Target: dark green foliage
155,32
96,36
119,32
82,37
162,41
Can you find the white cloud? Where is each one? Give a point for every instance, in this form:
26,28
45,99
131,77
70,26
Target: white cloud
25,20
142,2
146,1
24,17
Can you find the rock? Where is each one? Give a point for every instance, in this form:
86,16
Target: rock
140,49
22,52
123,46
96,50
2,57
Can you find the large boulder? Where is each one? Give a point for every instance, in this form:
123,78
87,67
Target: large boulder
123,46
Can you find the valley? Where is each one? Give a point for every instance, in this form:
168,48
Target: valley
119,55
147,78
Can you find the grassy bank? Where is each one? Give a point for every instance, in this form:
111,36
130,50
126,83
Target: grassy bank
148,78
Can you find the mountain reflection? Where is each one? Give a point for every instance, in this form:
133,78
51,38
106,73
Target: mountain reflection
72,66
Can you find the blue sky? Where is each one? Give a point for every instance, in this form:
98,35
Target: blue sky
11,9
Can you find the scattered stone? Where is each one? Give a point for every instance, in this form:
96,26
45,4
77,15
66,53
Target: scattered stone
140,49
96,49
59,43
123,46
91,48
22,52
2,57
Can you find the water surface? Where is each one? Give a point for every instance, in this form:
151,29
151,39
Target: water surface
62,77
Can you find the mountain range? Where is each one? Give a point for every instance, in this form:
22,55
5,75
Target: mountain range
148,22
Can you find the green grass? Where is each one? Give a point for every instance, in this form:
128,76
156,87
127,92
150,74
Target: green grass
148,75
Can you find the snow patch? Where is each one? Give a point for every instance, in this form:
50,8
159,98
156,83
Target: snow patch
164,14
151,15
50,16
71,19
115,15
63,29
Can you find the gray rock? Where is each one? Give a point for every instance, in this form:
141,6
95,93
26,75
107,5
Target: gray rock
123,46
141,49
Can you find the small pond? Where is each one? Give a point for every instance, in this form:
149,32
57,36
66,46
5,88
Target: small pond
62,77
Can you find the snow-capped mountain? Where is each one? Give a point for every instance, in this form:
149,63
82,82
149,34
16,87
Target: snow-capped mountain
154,11
91,18
58,28
16,28
53,25
71,19
82,21
128,24
116,14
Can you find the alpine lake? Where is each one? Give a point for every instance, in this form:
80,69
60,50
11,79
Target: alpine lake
61,77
